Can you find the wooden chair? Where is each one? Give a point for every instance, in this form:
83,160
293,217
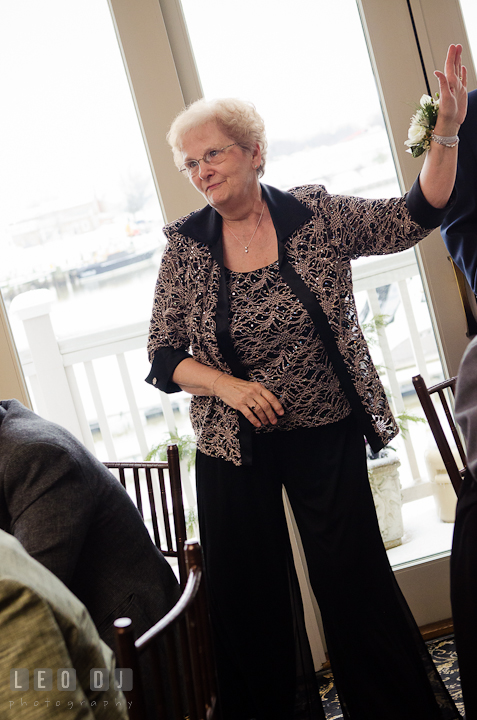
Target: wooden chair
424,394
154,494
187,677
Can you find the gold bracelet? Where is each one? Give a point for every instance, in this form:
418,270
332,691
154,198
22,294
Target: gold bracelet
213,384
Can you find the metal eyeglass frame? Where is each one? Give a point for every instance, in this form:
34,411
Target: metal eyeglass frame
206,158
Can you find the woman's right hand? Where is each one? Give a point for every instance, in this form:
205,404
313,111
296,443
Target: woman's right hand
252,399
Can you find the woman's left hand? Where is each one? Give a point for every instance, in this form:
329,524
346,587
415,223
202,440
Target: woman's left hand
452,93
438,172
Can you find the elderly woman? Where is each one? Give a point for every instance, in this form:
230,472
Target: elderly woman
257,285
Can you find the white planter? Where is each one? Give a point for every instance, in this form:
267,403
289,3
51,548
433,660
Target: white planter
386,487
443,490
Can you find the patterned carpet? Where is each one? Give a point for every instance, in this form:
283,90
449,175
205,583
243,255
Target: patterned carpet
445,659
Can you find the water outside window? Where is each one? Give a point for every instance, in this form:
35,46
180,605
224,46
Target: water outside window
307,70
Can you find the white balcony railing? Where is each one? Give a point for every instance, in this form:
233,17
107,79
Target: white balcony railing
68,385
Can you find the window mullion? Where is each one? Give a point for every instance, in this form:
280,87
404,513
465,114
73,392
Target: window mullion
182,50
157,94
12,379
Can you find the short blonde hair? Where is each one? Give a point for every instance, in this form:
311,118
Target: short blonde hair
238,119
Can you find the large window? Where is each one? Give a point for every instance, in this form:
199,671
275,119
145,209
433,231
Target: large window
76,188
80,214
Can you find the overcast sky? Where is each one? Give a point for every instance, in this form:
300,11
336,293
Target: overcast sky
68,126
304,63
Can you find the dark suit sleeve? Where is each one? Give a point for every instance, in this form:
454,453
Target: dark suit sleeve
466,404
459,228
50,505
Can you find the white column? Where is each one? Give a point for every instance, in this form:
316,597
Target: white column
133,408
168,413
33,308
101,412
396,397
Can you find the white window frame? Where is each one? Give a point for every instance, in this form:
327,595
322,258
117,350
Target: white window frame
12,379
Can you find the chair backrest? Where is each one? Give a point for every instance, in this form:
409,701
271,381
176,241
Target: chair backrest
151,493
424,394
184,683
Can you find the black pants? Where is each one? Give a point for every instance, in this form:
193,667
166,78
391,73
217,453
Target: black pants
464,592
380,664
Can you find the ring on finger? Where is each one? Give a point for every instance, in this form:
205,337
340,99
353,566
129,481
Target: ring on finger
252,407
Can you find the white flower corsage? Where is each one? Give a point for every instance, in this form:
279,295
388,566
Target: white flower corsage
422,125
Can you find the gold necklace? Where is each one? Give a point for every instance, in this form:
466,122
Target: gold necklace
246,247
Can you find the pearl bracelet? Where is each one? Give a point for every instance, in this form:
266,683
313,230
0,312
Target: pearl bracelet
450,142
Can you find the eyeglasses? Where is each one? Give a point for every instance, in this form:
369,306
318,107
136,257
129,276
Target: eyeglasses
213,157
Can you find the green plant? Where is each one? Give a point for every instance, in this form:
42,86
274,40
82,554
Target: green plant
404,418
185,445
370,329
191,520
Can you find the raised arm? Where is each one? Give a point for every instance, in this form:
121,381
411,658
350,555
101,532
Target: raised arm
439,170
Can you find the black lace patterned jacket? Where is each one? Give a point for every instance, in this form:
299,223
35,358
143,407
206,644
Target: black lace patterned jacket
318,236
